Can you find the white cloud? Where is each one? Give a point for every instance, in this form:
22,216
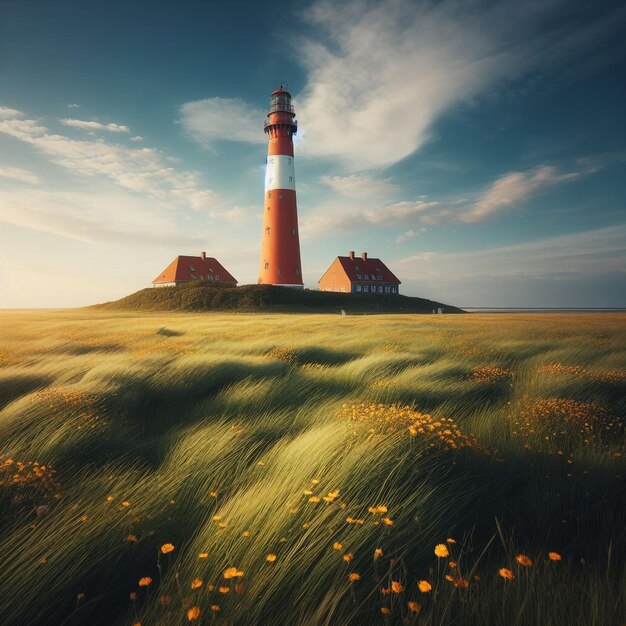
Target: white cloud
359,186
381,73
73,106
19,174
513,189
90,125
137,138
228,119
508,193
142,170
6,112
407,236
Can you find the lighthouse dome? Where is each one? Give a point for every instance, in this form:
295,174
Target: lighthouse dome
280,100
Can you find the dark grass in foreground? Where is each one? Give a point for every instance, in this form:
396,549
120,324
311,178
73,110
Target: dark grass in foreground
346,451
207,296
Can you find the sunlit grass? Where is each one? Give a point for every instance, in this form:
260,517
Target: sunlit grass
293,469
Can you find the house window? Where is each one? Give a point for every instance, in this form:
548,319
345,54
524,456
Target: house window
358,276
356,267
366,288
267,266
386,289
358,287
217,276
192,268
380,289
267,230
393,289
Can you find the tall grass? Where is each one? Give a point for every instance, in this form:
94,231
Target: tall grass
235,437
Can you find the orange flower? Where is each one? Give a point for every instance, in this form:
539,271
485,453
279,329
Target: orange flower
213,494
450,540
245,533
133,595
337,546
523,560
167,547
441,550
203,555
385,611
165,600
347,557
215,607
233,572
396,587
449,578
125,503
270,557
193,613
196,583
554,556
451,564
377,553
354,577
388,521
145,581
424,586
506,573
80,597
415,607
462,583
224,589
131,538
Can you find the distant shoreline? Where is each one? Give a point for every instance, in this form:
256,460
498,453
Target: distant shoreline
471,309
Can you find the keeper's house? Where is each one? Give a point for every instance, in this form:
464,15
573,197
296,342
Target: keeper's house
352,274
184,269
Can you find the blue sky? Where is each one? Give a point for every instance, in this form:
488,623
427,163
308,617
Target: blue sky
477,147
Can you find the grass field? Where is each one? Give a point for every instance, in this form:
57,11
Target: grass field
312,469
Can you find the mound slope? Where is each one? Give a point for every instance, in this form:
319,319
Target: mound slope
205,296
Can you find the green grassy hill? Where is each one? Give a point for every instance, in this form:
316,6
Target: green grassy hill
206,296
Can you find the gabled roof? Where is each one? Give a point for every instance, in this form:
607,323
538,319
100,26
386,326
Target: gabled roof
367,266
184,268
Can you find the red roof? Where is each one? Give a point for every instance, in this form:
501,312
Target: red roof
358,268
185,268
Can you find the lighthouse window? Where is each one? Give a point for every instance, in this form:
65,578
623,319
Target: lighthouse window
267,230
269,194
291,179
267,266
280,272
280,196
268,208
289,162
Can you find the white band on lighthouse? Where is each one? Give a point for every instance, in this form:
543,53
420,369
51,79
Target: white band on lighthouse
280,172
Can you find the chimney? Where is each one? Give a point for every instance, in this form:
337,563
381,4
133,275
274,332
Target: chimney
203,255
364,256
352,255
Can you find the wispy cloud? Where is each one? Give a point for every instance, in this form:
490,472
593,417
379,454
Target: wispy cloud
18,174
73,105
114,217
214,119
142,170
510,192
355,186
91,125
381,73
407,235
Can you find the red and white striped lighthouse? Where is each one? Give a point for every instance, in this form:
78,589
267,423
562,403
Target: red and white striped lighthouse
280,245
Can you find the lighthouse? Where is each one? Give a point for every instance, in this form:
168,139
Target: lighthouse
280,243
